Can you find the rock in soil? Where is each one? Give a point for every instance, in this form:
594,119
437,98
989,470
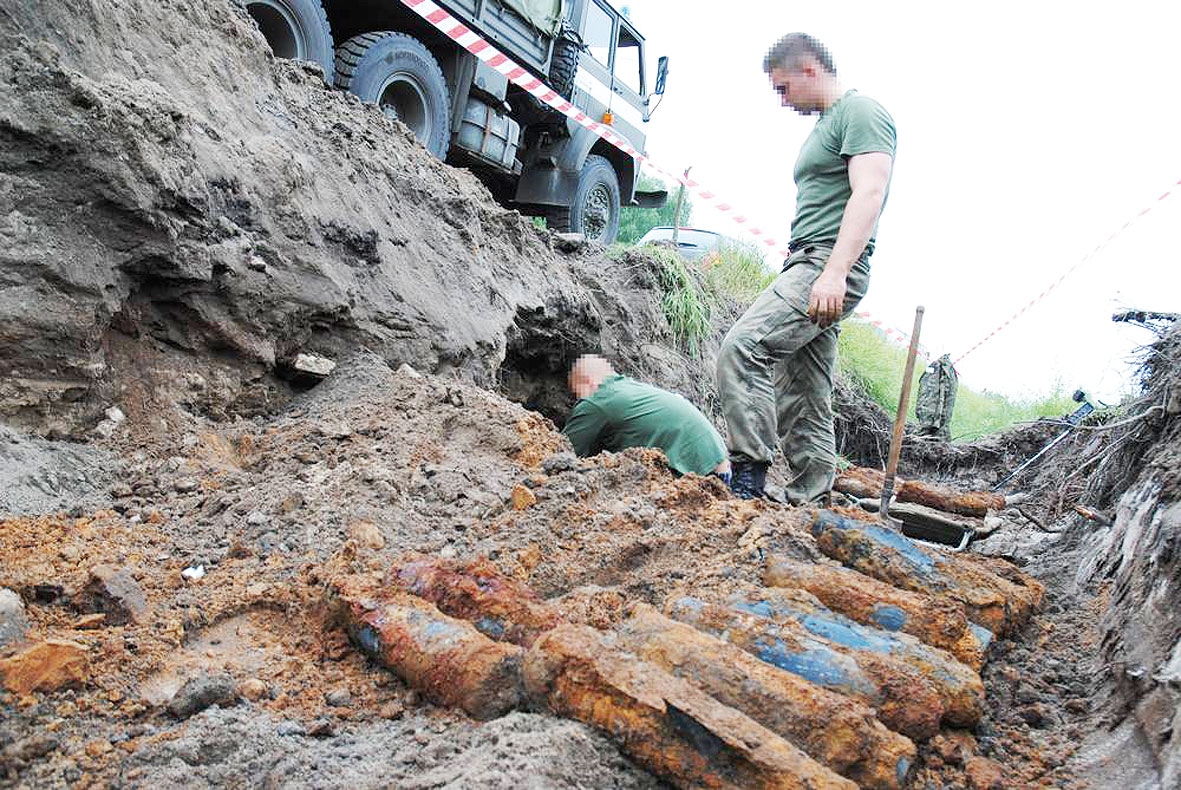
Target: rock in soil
45,666
115,592
199,692
13,622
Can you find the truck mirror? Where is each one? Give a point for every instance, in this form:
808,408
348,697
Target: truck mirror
661,75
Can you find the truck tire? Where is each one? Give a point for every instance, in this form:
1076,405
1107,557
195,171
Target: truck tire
295,29
401,76
564,65
594,211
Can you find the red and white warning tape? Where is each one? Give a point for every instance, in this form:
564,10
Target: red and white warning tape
1098,248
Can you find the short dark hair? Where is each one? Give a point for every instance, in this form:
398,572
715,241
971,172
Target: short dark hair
792,49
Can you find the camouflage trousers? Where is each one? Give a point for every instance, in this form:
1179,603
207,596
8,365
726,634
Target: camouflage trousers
775,376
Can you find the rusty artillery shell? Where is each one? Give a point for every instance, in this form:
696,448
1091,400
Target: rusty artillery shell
502,608
989,600
866,483
958,686
836,731
967,503
675,731
936,620
904,701
446,659
862,482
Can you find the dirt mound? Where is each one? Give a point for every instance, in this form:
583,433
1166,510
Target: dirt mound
183,215
38,476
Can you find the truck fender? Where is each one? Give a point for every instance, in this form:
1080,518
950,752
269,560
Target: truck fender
551,177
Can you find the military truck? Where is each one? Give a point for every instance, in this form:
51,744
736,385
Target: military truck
463,111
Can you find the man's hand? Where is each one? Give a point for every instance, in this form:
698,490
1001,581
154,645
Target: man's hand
827,304
868,176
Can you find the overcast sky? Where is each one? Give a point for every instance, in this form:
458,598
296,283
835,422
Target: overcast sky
1028,133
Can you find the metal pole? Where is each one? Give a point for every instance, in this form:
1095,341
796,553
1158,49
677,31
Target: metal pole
900,419
677,218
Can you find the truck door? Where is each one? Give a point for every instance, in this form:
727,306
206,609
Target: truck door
627,83
612,77
593,78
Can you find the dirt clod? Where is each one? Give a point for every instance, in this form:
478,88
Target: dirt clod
201,691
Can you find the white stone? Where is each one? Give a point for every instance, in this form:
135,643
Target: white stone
406,370
13,622
115,415
316,365
194,574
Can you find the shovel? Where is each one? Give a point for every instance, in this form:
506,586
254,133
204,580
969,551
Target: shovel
899,426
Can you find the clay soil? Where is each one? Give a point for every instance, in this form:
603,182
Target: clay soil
367,466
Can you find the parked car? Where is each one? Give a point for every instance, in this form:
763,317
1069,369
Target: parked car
693,243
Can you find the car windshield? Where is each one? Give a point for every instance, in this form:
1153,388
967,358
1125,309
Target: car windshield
689,239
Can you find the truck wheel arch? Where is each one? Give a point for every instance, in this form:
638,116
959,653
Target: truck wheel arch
625,167
295,29
585,144
594,207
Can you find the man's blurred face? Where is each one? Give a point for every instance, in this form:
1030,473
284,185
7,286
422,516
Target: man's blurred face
799,88
581,385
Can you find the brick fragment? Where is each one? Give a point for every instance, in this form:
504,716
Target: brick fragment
50,665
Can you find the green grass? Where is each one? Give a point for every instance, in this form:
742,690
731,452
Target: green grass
693,291
688,301
876,365
737,270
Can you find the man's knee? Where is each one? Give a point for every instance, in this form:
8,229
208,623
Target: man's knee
737,350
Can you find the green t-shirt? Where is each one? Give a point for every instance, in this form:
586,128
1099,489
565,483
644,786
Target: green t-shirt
856,124
626,413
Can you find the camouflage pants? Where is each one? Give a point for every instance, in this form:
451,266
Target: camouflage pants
775,376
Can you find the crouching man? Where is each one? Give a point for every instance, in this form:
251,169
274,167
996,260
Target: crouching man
616,412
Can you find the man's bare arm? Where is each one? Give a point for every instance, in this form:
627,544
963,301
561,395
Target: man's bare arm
868,176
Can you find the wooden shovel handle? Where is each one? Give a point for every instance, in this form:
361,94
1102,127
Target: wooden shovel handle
900,419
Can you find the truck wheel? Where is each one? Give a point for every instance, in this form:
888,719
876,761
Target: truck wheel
594,211
400,75
564,65
295,29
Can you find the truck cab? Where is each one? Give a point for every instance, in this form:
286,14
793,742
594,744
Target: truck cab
531,157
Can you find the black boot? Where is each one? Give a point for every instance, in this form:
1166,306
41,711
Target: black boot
748,479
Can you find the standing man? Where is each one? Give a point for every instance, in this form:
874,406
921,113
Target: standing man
776,365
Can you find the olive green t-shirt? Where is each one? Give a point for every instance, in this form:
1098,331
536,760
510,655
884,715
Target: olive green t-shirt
626,413
855,125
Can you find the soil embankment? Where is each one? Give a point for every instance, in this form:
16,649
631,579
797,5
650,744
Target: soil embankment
183,215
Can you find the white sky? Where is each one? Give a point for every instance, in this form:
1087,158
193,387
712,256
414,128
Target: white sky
1028,133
